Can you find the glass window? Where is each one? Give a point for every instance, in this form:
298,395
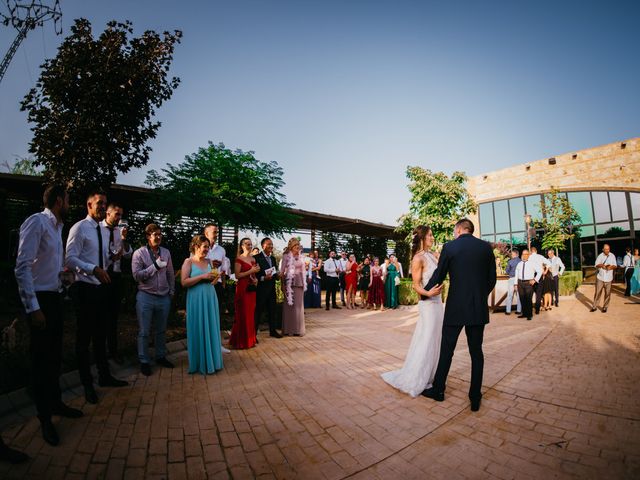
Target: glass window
601,206
533,207
489,238
519,238
581,202
501,210
618,206
516,206
504,238
612,230
585,232
486,218
635,204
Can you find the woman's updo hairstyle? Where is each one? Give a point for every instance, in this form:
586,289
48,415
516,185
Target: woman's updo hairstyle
196,242
292,243
419,234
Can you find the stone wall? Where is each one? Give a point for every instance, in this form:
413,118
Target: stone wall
615,166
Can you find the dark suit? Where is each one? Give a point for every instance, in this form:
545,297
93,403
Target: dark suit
471,266
266,292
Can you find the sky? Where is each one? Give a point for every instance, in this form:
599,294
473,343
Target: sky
344,95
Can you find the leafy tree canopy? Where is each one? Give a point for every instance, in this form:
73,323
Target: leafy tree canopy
437,200
231,187
557,217
93,104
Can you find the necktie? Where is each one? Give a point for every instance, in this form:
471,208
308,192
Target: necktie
524,264
112,245
100,255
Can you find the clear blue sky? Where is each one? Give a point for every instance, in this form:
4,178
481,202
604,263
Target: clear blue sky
345,94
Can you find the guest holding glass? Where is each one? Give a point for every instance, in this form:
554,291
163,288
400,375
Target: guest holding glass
293,285
152,268
391,283
243,332
376,286
203,317
313,295
351,281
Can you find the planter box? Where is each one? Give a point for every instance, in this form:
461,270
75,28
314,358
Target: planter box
570,281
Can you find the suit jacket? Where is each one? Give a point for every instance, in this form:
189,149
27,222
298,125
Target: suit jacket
471,266
265,286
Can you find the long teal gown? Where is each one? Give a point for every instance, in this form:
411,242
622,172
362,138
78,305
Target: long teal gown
203,326
635,281
390,289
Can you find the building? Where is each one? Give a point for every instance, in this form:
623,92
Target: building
601,183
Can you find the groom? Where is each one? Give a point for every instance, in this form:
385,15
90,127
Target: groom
471,266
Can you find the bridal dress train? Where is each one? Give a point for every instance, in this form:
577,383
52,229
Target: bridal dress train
422,358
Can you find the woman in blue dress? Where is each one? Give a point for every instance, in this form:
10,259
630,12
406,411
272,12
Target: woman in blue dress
203,321
635,279
312,297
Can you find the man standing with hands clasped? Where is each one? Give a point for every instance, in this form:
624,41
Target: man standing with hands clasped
527,275
266,288
39,271
606,264
332,270
87,258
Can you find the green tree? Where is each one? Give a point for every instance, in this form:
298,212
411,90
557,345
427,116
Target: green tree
437,200
22,166
558,215
93,104
230,187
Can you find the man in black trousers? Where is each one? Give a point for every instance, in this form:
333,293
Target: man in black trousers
266,290
471,266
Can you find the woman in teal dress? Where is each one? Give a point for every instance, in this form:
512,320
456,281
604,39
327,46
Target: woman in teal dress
635,279
390,287
203,321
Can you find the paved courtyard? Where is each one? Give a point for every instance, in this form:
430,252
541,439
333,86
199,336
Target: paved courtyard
561,400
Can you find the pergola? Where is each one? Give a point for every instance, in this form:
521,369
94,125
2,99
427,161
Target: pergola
27,189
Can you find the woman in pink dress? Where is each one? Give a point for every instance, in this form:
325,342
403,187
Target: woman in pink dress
376,286
243,332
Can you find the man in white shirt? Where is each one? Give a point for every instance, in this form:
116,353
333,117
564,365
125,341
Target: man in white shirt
218,258
332,270
557,269
87,258
118,248
629,264
527,274
342,263
606,264
38,271
539,261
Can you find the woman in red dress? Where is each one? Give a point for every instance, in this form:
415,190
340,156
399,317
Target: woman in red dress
351,280
243,333
376,286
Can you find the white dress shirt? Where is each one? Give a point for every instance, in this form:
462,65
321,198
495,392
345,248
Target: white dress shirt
628,262
606,275
342,264
538,260
117,244
556,265
528,270
330,266
82,250
40,257
218,254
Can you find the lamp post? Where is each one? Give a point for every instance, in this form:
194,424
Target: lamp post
527,219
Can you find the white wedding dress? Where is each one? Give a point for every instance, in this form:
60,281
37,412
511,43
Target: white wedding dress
422,358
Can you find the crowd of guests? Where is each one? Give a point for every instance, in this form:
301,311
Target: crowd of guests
533,274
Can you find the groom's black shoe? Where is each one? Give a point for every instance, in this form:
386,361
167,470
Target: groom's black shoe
431,393
475,404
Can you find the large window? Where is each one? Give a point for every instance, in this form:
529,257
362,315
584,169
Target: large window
516,207
619,210
533,206
581,202
601,207
501,211
635,206
486,218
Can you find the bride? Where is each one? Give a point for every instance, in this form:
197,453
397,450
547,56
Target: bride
422,358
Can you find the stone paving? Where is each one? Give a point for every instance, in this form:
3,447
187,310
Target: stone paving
561,400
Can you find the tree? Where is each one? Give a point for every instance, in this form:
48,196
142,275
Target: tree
437,200
93,104
22,166
558,215
231,187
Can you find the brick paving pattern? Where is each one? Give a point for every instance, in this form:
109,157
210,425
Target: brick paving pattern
561,400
